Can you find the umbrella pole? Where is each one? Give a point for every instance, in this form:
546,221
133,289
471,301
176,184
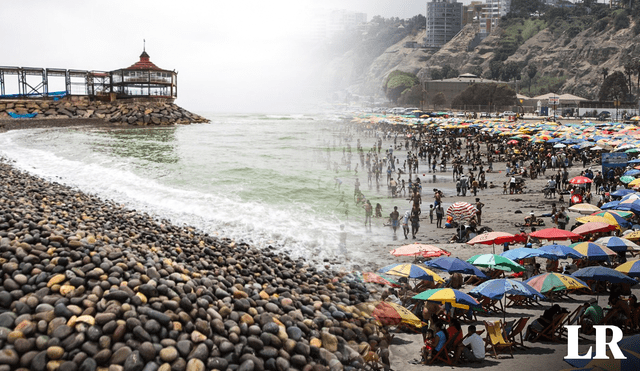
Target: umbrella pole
504,310
494,247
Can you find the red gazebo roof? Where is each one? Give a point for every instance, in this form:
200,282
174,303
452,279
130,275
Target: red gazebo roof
144,64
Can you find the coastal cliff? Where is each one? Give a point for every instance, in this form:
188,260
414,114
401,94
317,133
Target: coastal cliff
136,113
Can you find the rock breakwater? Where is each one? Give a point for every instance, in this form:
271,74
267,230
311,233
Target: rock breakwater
87,284
123,113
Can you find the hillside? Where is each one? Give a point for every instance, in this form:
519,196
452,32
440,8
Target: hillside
567,50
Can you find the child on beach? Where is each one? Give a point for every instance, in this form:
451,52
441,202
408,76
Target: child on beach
504,188
431,213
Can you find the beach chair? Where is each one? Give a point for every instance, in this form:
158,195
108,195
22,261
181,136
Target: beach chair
444,354
495,340
517,330
491,305
520,301
551,331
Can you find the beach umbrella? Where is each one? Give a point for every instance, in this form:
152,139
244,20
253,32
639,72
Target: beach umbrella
629,347
630,268
617,215
526,252
461,211
497,289
635,235
454,265
599,219
625,179
561,251
390,314
610,205
634,183
412,271
554,234
598,273
456,298
593,251
555,282
617,243
559,145
632,172
584,208
381,279
593,227
580,180
419,249
495,262
492,238
623,191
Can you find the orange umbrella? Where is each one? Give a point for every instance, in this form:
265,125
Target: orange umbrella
419,249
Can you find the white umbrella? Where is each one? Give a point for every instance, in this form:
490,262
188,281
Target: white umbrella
559,145
596,148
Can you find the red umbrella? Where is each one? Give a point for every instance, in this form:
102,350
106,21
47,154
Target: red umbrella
379,279
580,180
419,249
513,141
492,238
593,227
553,234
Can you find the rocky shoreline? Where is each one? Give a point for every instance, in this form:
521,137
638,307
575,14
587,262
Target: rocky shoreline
134,112
87,285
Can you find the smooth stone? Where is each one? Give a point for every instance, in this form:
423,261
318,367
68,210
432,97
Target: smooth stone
9,357
271,327
103,356
120,355
39,362
295,333
169,354
55,352
247,365
68,366
61,310
147,351
7,319
196,365
88,364
200,352
184,347
134,362
61,332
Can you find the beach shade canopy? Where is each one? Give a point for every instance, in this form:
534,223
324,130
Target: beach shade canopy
419,249
599,219
580,180
390,314
379,278
496,289
495,262
593,251
630,348
593,227
624,179
456,298
617,244
630,268
454,265
412,271
598,273
526,252
491,238
623,191
554,234
555,282
584,208
615,216
561,251
461,211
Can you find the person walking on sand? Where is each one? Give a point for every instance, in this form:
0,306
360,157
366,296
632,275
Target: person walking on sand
405,224
394,219
368,213
439,216
415,221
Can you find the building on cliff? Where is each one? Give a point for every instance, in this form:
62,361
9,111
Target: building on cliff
444,21
143,79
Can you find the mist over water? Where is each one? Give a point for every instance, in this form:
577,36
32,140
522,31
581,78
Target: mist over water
262,179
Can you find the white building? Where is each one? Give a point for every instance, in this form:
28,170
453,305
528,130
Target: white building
444,21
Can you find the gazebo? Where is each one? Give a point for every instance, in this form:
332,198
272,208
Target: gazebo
144,79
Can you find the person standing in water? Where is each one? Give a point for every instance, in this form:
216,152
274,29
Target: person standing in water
394,219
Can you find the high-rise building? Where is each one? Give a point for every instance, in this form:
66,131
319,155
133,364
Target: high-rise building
444,21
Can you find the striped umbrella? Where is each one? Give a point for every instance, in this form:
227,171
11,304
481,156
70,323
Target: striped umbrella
617,243
593,251
630,268
461,211
599,219
495,262
617,215
555,282
456,298
412,271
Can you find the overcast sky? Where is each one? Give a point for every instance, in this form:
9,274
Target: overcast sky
231,56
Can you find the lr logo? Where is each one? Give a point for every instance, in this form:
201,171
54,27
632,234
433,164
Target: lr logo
601,342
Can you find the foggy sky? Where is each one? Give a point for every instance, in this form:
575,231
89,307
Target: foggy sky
230,56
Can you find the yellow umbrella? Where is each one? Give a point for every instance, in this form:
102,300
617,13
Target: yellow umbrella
632,236
601,219
634,183
584,208
390,314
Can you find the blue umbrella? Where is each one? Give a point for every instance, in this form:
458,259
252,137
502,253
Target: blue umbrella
622,192
610,205
634,161
599,273
562,251
453,265
634,207
526,252
616,244
497,288
632,172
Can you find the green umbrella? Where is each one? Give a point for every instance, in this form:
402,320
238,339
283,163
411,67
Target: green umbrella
632,150
496,262
626,179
